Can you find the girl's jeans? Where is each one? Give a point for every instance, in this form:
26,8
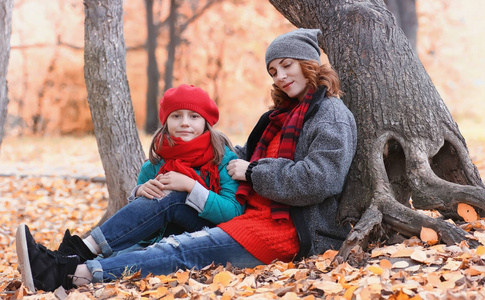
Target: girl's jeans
143,217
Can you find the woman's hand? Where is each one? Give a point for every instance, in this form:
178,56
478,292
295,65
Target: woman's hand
176,181
236,168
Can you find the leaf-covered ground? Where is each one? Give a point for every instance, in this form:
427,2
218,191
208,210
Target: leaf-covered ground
46,184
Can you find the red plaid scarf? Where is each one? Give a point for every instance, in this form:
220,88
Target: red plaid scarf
289,122
184,156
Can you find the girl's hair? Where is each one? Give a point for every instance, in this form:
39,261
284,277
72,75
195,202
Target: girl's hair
218,141
316,76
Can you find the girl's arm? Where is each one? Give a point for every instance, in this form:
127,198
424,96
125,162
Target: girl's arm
148,171
222,207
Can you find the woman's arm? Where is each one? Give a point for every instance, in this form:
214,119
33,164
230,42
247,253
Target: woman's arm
322,159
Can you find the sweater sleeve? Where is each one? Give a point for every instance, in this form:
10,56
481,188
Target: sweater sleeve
148,171
223,207
322,159
241,151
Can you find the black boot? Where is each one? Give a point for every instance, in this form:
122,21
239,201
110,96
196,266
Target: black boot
40,267
74,245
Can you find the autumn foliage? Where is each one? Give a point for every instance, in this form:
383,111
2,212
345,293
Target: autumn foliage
67,196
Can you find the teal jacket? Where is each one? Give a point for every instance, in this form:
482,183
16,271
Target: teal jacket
217,208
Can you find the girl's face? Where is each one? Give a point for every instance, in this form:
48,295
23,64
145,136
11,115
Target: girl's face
185,124
287,75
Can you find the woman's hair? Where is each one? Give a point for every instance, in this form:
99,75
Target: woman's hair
316,76
218,141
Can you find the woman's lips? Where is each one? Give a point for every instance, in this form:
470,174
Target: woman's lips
287,85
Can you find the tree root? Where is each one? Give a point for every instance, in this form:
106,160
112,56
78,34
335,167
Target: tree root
412,173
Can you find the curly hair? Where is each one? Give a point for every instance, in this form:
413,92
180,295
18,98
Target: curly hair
316,76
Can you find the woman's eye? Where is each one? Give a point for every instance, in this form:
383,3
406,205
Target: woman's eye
287,66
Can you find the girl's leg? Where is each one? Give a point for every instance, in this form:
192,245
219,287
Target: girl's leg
185,251
143,217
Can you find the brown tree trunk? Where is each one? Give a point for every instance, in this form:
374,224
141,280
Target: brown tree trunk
409,146
153,75
174,39
110,101
6,7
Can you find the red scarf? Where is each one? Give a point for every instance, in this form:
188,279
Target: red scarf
289,122
184,156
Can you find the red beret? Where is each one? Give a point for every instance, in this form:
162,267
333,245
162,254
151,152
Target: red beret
191,98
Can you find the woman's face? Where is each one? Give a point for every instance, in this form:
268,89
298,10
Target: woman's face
287,75
185,124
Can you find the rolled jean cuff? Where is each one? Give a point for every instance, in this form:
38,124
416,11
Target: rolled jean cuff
99,238
96,270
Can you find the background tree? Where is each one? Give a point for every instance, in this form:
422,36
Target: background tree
408,143
153,75
177,23
110,101
406,17
6,7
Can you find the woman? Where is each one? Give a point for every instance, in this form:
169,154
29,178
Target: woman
292,170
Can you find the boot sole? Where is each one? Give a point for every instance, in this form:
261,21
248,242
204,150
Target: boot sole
23,258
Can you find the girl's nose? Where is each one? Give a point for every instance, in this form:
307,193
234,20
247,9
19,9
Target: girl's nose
185,121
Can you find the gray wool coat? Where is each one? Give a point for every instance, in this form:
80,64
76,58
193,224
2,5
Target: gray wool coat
311,183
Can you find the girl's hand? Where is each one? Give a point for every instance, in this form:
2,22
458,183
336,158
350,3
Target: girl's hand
176,181
236,168
153,188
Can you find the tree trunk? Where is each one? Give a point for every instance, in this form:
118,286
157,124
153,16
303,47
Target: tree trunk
408,143
153,75
110,101
406,17
173,42
6,7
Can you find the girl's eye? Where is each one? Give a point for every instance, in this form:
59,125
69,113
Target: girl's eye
175,116
286,66
195,116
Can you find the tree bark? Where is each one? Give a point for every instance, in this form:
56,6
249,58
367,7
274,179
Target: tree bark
6,7
110,101
153,75
409,146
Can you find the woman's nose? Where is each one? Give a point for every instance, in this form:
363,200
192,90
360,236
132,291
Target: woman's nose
281,76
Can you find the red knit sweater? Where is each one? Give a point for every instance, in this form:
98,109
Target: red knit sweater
265,238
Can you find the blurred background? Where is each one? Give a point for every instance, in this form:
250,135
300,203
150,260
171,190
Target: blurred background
220,47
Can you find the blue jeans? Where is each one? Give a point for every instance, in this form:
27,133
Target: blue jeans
143,217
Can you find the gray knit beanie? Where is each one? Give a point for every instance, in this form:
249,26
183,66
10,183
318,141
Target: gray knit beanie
299,44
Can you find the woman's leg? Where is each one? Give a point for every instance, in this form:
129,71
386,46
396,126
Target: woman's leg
185,251
143,217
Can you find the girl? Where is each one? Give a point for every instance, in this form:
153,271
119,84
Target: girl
183,186
292,170
187,155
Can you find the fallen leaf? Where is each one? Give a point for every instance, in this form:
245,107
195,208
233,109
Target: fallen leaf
406,252
400,264
223,278
480,250
375,269
419,255
429,236
467,212
385,264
